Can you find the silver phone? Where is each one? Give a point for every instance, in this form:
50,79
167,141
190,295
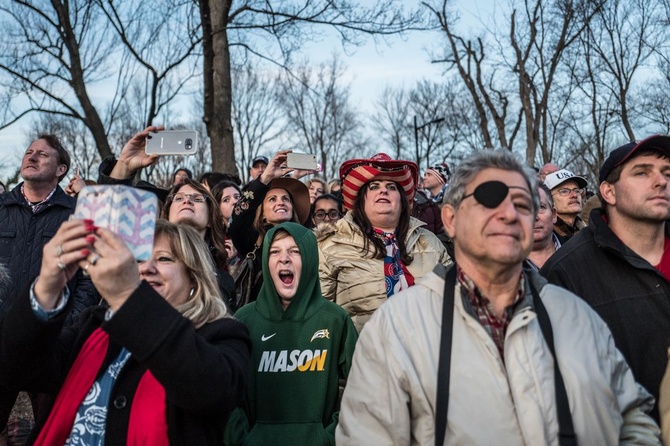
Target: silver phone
172,142
303,161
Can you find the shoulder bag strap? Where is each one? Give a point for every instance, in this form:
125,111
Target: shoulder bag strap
444,361
566,431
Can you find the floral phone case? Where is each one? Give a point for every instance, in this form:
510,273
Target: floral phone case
129,212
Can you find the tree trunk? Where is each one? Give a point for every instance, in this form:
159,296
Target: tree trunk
218,84
91,116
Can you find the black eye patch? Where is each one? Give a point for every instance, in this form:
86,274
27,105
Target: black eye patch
490,193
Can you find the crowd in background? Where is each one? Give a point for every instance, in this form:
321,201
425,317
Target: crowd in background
243,325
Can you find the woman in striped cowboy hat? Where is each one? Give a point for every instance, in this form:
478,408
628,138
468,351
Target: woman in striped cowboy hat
377,249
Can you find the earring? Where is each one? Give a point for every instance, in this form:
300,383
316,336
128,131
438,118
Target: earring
191,293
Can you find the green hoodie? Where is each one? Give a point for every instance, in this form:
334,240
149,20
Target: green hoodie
298,358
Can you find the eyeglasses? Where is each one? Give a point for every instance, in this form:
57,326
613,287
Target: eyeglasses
491,193
564,191
179,198
332,214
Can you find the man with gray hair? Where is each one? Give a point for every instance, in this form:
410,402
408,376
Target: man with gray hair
487,352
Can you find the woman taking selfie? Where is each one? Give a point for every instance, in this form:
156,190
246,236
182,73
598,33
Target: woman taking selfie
377,249
162,364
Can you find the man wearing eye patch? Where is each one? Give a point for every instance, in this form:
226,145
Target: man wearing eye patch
487,352
620,263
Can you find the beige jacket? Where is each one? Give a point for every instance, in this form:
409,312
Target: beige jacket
355,281
390,395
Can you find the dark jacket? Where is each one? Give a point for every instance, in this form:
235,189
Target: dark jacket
204,372
241,230
299,355
22,237
428,212
625,290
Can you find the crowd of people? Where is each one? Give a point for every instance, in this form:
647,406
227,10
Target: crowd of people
484,303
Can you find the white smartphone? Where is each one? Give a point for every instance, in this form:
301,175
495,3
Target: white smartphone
303,161
172,142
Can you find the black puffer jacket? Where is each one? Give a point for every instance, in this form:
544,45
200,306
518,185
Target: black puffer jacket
22,237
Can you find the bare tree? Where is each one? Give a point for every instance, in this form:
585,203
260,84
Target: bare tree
391,120
48,55
272,31
624,35
538,34
257,116
445,118
319,112
490,97
51,56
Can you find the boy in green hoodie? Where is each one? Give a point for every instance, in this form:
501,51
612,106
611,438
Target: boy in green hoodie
302,346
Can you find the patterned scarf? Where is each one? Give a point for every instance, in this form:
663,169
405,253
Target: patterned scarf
396,274
147,424
36,206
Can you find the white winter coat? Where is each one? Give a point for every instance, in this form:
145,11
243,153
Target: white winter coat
390,395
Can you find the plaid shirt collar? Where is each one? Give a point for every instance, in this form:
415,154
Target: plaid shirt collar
495,326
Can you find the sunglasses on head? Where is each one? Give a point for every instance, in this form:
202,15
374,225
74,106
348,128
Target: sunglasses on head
491,193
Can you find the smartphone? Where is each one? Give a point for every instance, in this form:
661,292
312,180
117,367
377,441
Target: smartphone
127,211
304,161
172,142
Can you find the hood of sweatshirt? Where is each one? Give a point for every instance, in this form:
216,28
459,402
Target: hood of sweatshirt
308,298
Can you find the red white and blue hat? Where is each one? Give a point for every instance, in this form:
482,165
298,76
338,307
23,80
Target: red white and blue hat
355,173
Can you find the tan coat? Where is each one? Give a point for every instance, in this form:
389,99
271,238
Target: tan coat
354,280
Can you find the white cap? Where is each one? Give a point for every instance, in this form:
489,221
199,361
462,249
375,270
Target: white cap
561,176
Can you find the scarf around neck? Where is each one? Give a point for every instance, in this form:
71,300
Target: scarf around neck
396,274
148,422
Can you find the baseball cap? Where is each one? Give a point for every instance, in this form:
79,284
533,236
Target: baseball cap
259,159
561,176
622,154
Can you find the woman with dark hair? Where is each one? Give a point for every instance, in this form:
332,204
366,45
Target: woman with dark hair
227,194
191,204
162,363
326,209
267,201
377,249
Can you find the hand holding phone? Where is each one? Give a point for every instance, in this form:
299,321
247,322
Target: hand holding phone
301,161
127,211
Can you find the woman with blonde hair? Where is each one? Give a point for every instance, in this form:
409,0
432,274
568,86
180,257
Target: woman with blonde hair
317,186
162,363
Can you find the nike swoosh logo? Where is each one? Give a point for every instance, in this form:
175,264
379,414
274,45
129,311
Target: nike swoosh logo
265,338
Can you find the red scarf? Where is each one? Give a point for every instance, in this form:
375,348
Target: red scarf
664,265
147,424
